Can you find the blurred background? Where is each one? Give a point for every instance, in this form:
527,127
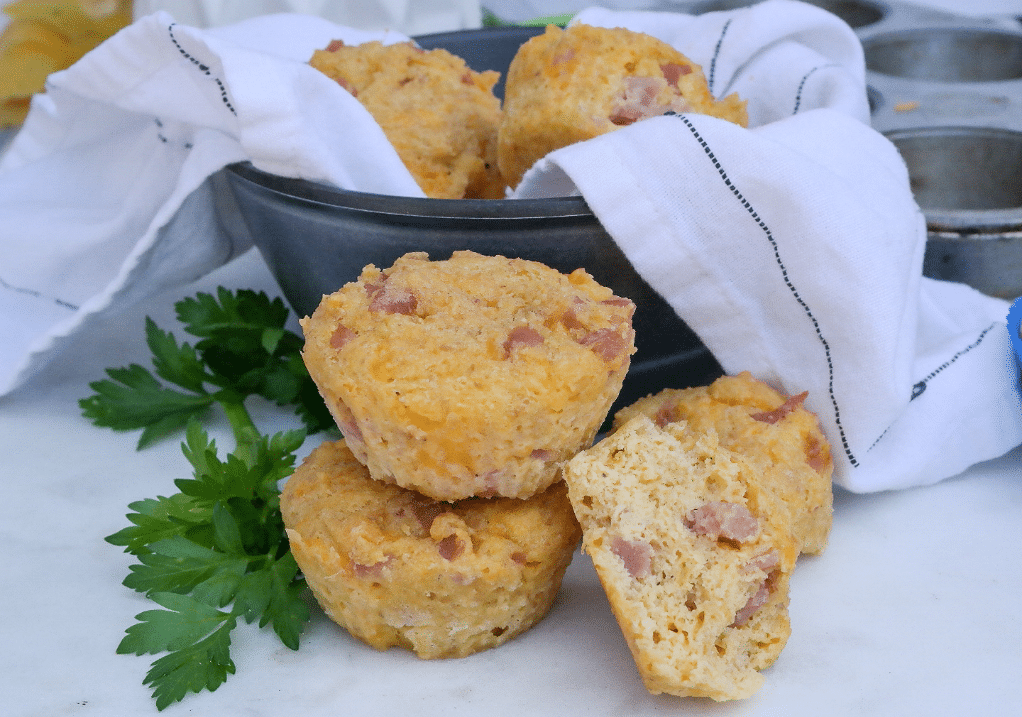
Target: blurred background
38,37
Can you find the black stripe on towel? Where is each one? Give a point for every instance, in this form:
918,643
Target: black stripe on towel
716,53
919,387
203,68
802,84
38,295
787,281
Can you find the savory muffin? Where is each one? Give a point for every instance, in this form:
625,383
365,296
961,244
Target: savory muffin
774,433
695,569
473,376
440,115
565,86
395,568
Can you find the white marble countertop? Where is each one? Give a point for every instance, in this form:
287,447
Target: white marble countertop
912,610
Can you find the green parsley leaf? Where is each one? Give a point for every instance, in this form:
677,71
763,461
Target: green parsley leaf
220,541
134,399
244,350
181,566
198,639
158,518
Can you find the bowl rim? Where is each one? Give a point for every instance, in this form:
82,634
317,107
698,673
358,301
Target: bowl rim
305,190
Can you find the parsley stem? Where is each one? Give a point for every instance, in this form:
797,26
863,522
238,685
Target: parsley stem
246,435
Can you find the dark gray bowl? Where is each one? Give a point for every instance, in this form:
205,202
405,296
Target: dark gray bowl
315,238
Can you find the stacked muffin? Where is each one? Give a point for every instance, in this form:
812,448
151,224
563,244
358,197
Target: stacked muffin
462,386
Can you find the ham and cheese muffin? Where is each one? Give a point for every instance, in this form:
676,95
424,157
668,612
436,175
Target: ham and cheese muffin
773,432
473,376
440,115
695,569
395,568
570,85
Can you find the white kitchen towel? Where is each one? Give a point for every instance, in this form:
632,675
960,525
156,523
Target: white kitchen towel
103,193
793,248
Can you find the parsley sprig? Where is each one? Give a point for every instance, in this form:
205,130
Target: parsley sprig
244,350
215,551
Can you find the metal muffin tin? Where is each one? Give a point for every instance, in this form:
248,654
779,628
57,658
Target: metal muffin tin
946,89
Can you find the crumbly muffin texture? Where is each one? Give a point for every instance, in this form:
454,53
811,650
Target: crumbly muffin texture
440,115
472,376
773,432
695,573
395,568
565,86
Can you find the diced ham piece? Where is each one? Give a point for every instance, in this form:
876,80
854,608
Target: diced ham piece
666,414
542,454
562,57
370,571
570,319
758,600
450,547
635,554
817,453
519,557
335,45
386,299
638,100
619,301
341,335
673,72
521,336
720,519
766,561
607,343
346,85
346,422
426,510
792,404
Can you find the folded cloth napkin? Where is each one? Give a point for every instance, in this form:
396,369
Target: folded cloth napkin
103,193
793,248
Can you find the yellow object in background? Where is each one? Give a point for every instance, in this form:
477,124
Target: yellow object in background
44,36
